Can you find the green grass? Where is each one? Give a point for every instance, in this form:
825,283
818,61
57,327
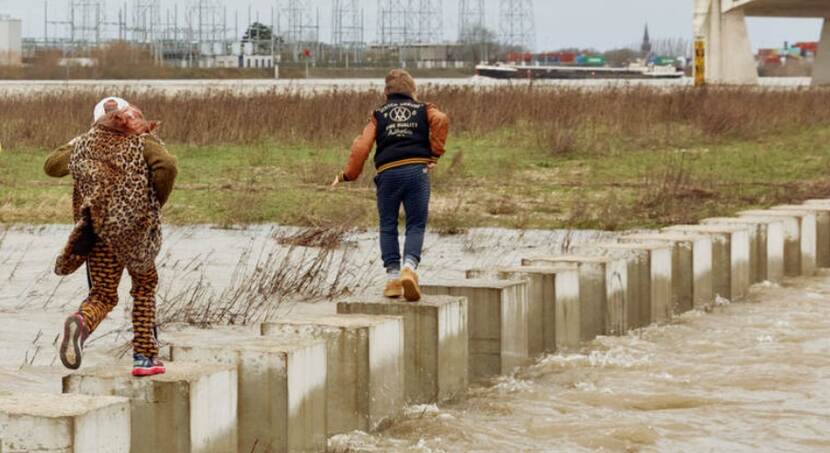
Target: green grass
495,180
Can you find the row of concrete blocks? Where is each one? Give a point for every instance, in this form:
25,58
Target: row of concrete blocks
290,388
307,379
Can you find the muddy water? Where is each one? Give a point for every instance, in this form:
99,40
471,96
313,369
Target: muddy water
752,376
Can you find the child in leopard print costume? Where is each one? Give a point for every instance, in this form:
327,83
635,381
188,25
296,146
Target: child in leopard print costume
122,176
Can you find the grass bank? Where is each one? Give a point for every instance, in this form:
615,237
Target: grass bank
502,178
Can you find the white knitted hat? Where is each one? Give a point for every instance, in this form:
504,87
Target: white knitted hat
99,112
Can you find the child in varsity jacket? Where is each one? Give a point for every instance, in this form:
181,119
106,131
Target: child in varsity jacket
410,137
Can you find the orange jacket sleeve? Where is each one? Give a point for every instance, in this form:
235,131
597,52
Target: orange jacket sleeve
439,129
361,148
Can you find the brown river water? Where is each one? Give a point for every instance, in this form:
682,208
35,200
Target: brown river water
753,375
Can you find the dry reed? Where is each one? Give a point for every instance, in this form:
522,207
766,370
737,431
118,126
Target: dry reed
262,279
559,120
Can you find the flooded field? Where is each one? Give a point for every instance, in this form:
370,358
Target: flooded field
751,376
253,86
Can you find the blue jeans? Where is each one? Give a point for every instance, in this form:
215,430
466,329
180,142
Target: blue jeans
408,186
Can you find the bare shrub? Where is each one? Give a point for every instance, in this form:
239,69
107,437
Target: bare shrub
504,205
327,235
261,280
670,186
557,140
450,222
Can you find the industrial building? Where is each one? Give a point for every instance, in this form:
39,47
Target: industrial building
11,43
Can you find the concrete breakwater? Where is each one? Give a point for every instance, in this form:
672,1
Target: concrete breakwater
383,355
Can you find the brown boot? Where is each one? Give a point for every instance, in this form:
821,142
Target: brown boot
409,281
393,290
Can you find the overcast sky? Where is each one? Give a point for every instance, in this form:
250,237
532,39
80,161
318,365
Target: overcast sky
600,24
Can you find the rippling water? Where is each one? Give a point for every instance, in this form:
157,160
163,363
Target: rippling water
752,376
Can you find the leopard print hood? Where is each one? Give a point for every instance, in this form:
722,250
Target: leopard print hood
113,200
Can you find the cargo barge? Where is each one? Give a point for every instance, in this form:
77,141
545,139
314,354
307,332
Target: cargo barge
508,71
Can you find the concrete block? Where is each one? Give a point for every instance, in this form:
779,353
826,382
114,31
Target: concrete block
64,423
799,238
603,290
365,359
541,301
560,293
282,387
730,256
652,269
497,322
822,212
436,343
691,277
766,258
191,408
637,272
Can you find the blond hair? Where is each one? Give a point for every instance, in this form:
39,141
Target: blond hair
398,81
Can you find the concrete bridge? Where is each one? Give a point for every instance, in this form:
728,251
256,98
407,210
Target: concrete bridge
729,56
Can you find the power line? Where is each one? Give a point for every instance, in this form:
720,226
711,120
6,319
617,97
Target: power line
517,23
471,15
347,23
430,23
410,21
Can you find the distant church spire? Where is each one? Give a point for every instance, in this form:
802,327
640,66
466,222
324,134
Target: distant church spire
646,47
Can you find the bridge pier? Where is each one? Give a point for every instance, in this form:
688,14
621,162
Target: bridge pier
728,50
821,70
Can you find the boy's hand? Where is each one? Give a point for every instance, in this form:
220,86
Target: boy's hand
430,167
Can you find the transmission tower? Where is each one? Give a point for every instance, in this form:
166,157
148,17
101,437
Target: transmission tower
396,23
206,26
303,27
410,21
347,23
146,26
518,25
347,28
470,19
85,26
86,20
430,21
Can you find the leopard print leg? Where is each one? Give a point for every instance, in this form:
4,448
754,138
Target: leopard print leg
104,274
144,312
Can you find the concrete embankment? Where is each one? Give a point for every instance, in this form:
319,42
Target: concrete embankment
301,379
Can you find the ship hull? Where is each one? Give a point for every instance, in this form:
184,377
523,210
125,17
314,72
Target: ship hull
571,73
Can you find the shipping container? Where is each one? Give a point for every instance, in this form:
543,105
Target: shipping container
519,57
807,47
664,61
592,60
567,58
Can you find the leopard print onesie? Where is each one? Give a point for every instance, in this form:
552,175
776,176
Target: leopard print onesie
115,204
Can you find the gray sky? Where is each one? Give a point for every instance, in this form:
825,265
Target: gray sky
600,24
